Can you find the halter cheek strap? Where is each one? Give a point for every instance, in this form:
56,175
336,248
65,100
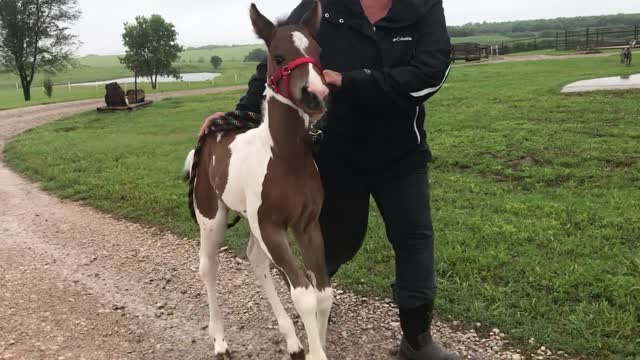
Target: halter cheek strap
285,72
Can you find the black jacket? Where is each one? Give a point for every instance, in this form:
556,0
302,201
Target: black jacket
389,70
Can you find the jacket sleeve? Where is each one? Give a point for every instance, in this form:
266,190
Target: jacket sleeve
252,100
421,78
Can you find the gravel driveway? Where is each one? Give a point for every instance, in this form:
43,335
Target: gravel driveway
79,284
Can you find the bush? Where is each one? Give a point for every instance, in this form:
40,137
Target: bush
47,84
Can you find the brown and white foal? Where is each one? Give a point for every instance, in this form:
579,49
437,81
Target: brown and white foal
268,175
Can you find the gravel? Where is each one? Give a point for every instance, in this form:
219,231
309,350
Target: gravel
76,283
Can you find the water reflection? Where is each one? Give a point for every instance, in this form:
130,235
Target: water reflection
622,82
205,76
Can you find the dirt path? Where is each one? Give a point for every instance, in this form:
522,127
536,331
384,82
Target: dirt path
78,284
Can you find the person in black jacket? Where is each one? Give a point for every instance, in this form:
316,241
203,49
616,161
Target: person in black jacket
386,58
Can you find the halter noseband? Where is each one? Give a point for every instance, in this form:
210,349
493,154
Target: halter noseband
284,72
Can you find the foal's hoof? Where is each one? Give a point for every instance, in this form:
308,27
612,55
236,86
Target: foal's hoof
223,356
299,355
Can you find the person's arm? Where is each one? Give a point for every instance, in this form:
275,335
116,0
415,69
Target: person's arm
421,79
252,100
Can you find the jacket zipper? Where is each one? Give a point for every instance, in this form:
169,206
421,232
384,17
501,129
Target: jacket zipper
415,124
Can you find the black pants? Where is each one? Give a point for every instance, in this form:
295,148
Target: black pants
404,204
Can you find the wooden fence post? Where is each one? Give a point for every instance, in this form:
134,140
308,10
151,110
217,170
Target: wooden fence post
587,40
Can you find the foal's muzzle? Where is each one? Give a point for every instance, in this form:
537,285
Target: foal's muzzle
315,100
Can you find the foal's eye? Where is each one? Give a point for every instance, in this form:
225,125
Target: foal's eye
279,59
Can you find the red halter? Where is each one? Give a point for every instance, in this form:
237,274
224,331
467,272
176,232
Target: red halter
284,72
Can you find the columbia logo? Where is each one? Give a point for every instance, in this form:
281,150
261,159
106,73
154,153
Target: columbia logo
403,38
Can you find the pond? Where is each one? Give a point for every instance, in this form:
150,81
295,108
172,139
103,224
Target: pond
608,83
205,76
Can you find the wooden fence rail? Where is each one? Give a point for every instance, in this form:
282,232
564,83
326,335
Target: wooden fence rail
597,38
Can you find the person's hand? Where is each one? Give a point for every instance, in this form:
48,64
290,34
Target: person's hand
206,122
333,78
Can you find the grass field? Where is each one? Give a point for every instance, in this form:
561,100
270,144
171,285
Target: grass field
233,73
536,197
97,68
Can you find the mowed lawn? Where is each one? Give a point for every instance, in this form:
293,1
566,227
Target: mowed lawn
536,197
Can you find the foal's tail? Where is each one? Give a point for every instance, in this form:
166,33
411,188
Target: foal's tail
188,165
190,170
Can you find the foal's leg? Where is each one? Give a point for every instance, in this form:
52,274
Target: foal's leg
312,249
303,293
260,263
211,237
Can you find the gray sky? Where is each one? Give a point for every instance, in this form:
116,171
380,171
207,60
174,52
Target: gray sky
204,22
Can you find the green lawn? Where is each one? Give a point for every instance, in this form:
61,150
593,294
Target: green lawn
233,73
536,196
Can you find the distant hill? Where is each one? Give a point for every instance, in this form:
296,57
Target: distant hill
542,27
190,56
212,47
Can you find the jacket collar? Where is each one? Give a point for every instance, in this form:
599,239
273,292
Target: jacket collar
402,12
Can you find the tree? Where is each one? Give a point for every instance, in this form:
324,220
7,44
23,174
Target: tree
151,45
34,36
256,55
216,61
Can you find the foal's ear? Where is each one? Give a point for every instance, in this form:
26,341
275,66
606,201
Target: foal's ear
263,27
312,19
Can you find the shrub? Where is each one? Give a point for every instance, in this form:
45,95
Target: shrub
47,85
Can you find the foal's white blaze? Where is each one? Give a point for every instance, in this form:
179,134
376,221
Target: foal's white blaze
316,86
300,41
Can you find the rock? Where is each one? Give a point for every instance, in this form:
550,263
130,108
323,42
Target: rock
115,95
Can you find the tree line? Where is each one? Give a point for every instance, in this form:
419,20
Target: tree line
542,27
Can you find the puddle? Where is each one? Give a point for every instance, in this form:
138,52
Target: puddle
185,77
609,83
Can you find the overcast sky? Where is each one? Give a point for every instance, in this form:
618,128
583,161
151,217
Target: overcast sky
204,22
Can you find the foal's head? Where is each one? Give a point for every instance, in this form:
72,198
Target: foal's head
293,59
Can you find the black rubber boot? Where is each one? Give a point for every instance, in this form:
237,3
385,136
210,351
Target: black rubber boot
417,343
426,350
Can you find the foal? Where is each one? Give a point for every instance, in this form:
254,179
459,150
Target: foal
268,175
